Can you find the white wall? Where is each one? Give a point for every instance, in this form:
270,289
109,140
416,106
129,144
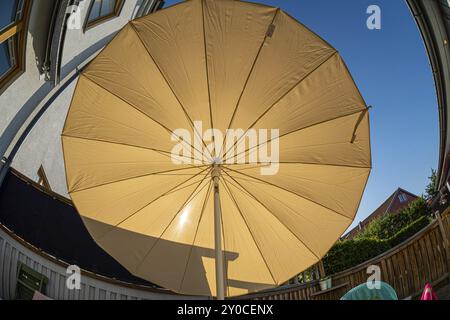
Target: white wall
42,145
27,90
80,44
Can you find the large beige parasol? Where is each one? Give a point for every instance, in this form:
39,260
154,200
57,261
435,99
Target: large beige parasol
217,212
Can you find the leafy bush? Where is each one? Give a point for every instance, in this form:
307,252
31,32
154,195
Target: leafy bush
349,253
384,227
416,209
409,231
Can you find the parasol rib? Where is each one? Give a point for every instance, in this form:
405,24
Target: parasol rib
284,225
207,78
135,107
162,152
303,128
137,177
190,198
277,186
147,204
358,122
249,230
195,236
253,165
171,89
249,74
282,96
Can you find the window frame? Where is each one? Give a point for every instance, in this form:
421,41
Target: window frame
117,11
17,30
402,197
147,7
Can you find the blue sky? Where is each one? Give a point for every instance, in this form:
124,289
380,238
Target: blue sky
392,70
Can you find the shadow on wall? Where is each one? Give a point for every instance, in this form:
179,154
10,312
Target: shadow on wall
22,115
84,55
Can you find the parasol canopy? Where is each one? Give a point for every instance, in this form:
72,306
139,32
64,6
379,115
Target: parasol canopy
255,201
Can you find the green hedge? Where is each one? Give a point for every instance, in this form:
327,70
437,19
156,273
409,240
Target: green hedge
349,253
408,231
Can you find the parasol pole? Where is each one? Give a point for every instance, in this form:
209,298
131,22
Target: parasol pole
220,281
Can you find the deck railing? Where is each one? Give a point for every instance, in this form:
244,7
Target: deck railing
423,258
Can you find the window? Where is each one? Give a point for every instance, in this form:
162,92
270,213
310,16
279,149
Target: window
402,197
28,282
42,179
6,56
13,19
102,10
148,6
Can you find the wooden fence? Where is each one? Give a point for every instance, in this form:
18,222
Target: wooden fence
424,258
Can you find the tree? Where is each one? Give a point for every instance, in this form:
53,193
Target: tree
431,189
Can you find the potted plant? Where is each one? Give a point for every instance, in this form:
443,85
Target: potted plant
325,283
